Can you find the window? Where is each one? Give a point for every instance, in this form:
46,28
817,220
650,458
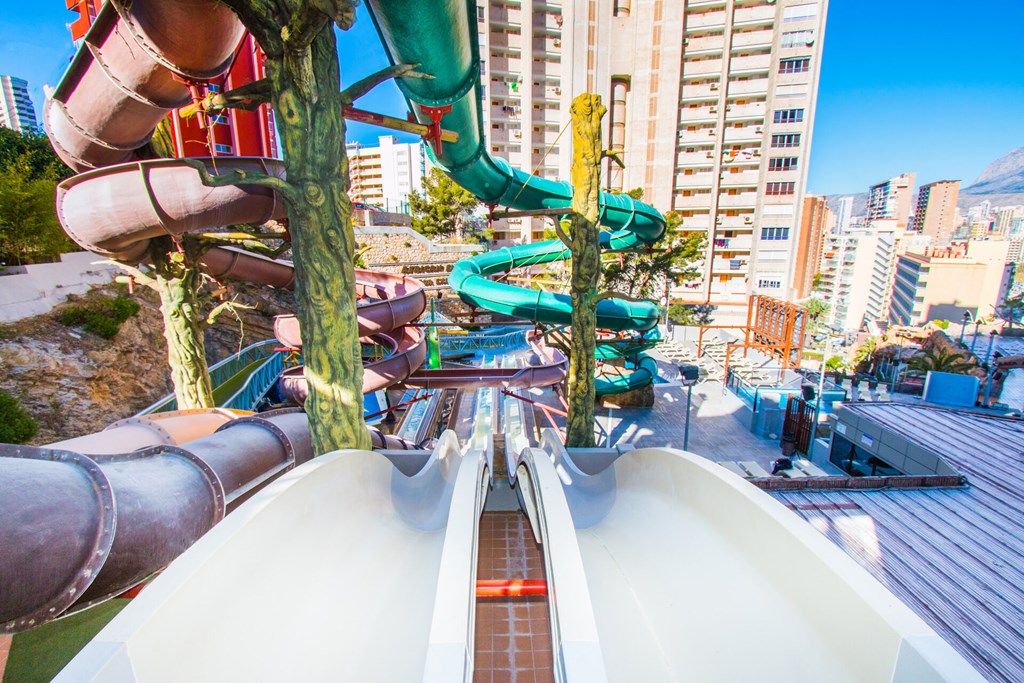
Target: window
804,12
797,38
479,13
222,149
782,164
780,188
794,66
789,115
212,87
786,140
769,283
775,233
483,68
219,118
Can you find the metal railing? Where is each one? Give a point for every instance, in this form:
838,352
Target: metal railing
228,368
466,343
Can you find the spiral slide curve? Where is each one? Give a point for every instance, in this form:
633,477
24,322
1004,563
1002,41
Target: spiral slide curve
442,39
119,86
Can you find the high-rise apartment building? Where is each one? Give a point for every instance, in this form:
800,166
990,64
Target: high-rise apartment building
711,101
16,110
944,282
844,214
857,272
935,213
385,175
1009,219
892,199
815,221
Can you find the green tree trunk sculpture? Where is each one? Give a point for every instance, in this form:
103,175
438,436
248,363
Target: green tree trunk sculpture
586,111
302,70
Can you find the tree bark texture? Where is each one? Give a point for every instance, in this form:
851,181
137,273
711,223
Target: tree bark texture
586,112
178,283
302,67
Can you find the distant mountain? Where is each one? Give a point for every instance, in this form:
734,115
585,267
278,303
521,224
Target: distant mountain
1005,175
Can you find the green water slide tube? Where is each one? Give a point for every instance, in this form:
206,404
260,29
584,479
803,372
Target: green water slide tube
441,37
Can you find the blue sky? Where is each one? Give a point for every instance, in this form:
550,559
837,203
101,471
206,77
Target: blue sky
932,87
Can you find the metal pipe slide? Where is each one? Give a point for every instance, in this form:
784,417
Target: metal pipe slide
442,40
78,527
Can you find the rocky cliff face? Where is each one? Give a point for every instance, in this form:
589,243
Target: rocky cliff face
1005,175
73,382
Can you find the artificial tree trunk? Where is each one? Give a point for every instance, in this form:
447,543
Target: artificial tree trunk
586,111
302,71
178,283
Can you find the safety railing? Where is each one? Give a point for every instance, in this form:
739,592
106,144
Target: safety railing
225,370
469,343
256,386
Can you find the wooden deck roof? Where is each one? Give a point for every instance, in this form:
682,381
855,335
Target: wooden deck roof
955,556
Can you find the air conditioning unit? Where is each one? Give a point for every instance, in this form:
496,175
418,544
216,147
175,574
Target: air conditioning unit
748,219
714,86
711,155
714,110
759,129
558,91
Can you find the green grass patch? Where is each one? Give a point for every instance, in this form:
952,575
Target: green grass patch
39,655
103,318
16,426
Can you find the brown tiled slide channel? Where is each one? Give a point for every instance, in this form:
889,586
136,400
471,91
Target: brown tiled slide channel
513,634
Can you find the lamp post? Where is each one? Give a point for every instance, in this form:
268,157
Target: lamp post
991,368
689,374
821,388
991,342
974,340
963,328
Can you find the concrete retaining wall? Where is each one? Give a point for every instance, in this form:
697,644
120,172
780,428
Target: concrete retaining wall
33,290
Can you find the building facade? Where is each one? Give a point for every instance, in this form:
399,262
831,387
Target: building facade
944,282
712,103
857,273
384,175
891,199
16,110
935,213
816,220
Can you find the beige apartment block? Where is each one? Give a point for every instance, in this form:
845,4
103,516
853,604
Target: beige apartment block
891,199
935,214
711,101
944,282
857,270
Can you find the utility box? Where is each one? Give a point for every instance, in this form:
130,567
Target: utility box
951,389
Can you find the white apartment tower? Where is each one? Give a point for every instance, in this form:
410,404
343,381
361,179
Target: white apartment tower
385,175
16,110
712,102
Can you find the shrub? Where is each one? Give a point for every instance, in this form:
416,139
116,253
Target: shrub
16,426
102,318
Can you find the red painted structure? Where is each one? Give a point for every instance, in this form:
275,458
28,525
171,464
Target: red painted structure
231,133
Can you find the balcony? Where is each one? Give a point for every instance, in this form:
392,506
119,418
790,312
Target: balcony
754,110
703,67
752,39
726,265
751,63
703,180
745,222
744,134
758,86
698,114
696,201
704,44
742,179
700,91
746,200
705,20
695,137
695,222
744,16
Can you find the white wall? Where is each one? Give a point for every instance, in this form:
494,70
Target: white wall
36,289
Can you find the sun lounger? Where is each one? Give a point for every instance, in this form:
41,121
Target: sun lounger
754,469
810,468
735,469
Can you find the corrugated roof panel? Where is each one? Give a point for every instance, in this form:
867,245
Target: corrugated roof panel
955,556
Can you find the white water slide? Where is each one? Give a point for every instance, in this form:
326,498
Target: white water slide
660,565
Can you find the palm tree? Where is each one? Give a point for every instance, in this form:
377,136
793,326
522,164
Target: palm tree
1012,309
865,352
939,360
